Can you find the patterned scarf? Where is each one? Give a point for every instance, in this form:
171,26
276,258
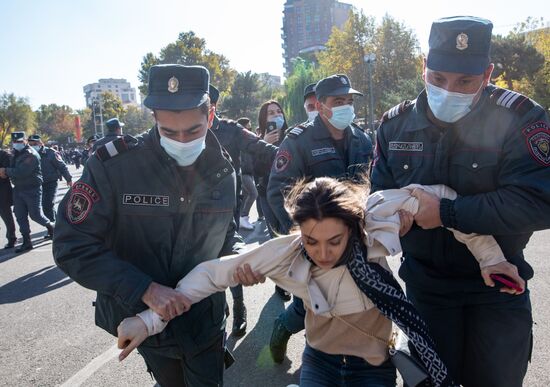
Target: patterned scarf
384,291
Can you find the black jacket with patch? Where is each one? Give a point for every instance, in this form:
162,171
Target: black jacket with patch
497,158
136,217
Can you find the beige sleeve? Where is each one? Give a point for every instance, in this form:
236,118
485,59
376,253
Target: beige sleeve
484,248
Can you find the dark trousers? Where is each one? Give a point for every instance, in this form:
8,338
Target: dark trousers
201,370
484,338
7,217
49,190
270,218
28,203
294,315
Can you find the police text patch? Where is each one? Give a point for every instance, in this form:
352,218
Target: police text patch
322,151
406,146
537,136
80,202
145,200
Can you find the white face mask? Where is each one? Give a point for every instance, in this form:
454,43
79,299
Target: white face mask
185,153
449,106
342,116
18,146
311,115
36,147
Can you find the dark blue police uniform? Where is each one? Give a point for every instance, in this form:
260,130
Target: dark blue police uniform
496,157
137,216
310,151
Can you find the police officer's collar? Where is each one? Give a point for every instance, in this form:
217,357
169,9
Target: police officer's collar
320,130
215,123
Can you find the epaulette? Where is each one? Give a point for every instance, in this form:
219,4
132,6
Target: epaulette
116,147
512,100
296,131
396,110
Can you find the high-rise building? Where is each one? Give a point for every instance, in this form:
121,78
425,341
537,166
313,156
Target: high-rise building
307,25
119,87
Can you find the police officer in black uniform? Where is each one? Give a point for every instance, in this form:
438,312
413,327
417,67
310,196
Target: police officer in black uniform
26,175
114,131
6,201
53,168
236,140
147,211
87,152
332,146
491,145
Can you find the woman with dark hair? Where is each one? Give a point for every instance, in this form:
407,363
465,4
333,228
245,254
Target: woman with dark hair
349,293
271,128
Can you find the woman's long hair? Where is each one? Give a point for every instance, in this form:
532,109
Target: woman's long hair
327,197
262,118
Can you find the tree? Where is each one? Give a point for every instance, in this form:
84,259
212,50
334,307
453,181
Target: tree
111,105
55,121
398,61
189,49
303,74
243,99
136,121
15,115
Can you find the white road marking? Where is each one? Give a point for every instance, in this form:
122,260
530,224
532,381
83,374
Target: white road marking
82,375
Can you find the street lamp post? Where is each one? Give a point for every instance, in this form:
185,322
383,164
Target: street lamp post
370,59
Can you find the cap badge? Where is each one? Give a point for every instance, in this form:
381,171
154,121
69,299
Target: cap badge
462,41
173,85
344,80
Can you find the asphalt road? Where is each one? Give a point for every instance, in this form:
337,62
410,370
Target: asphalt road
49,337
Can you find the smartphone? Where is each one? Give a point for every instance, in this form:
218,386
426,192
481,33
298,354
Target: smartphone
271,126
506,281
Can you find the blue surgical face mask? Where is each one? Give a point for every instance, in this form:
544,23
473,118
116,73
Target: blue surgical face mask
312,115
185,153
18,146
279,121
449,106
342,116
36,147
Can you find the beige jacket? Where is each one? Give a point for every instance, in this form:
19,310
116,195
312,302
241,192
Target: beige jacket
324,292
382,225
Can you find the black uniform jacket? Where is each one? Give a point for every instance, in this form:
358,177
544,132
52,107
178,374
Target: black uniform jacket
497,158
132,219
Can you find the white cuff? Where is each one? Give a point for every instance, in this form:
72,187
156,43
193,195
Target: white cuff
153,322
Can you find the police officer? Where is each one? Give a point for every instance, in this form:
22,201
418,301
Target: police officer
86,153
332,146
26,176
235,139
114,131
53,167
491,145
310,102
6,201
145,212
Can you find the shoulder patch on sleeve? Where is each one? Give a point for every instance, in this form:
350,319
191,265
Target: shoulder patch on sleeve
296,131
115,147
512,100
396,110
80,202
282,161
537,137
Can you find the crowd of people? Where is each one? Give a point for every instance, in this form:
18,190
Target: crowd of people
457,181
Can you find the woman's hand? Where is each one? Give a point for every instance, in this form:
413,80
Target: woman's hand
406,220
508,269
272,137
131,333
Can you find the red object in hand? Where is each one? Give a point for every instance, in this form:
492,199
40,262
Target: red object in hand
506,281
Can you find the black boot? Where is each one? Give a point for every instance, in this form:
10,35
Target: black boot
11,243
26,245
49,235
239,318
278,342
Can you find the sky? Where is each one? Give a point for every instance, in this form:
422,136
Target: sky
50,49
